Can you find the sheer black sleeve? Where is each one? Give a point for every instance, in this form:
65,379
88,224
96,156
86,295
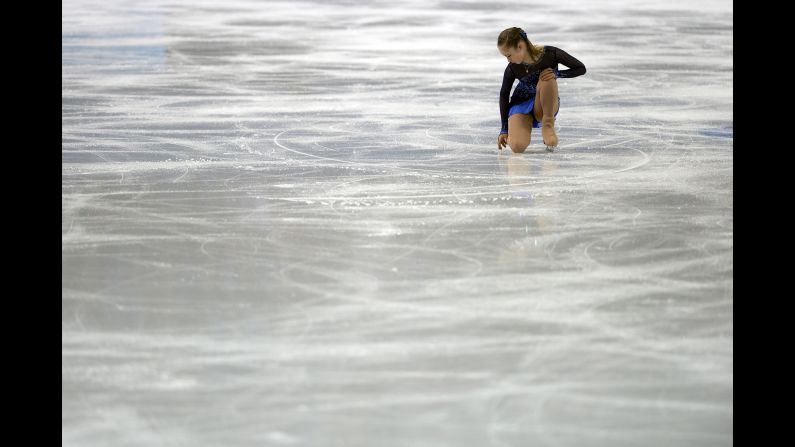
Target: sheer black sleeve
507,82
576,68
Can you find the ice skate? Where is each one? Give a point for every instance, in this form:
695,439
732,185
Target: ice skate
548,133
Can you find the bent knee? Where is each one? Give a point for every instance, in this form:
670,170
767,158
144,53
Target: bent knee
518,146
555,80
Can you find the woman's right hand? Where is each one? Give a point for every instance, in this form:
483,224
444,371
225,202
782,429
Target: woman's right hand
502,140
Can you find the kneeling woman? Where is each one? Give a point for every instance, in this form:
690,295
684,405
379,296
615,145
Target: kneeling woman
535,100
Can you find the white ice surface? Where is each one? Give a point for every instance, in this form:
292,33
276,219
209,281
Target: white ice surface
287,223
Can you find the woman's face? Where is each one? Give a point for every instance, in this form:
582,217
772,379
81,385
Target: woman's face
514,55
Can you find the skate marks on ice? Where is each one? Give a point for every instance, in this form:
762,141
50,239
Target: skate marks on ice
278,241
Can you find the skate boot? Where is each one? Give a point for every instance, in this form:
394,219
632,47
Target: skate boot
548,133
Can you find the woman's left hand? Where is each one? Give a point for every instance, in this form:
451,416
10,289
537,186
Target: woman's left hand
546,75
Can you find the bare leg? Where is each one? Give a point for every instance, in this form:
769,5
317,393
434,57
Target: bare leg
546,105
520,127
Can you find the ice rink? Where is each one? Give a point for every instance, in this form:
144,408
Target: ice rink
288,224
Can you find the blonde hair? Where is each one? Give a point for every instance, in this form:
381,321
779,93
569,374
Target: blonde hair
511,37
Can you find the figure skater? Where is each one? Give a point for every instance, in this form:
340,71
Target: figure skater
536,94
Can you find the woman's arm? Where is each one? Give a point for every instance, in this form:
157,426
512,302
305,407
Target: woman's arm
505,90
576,68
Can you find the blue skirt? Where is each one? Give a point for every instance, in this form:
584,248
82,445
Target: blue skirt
527,109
